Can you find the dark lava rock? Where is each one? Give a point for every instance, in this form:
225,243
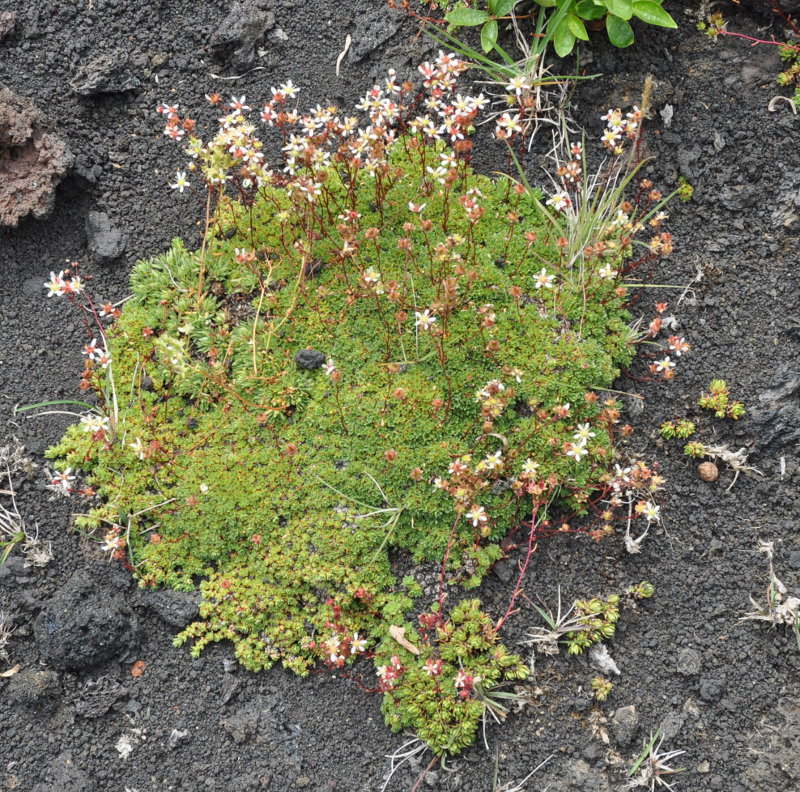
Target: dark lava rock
690,661
7,21
176,608
64,775
83,625
711,689
242,29
624,724
779,419
786,211
309,359
38,689
374,29
106,74
32,160
106,241
97,697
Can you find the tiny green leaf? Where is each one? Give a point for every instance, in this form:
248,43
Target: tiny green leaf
563,40
501,8
467,17
621,8
653,14
577,27
620,33
589,9
489,35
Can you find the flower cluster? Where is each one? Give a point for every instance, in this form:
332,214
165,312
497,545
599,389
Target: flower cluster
313,140
95,354
620,129
59,285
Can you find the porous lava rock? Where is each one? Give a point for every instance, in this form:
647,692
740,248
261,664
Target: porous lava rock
33,160
84,624
242,29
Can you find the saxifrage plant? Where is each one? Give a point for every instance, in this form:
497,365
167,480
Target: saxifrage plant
374,349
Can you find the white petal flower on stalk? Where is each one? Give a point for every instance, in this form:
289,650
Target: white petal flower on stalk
543,280
424,319
181,182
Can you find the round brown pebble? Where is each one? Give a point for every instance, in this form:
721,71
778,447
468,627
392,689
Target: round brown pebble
708,471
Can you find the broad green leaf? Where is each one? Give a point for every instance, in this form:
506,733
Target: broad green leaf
620,33
563,40
589,9
501,8
489,35
653,14
577,28
621,8
467,17
546,3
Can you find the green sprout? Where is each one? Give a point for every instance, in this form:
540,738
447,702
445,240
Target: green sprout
718,400
602,688
685,190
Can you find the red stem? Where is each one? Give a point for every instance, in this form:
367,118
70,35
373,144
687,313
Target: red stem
523,569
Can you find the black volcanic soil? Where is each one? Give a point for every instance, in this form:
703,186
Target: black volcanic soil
728,695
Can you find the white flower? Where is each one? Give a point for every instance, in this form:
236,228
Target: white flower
517,84
425,319
416,208
583,433
330,366
508,124
606,272
650,511
358,645
665,365
559,201
137,447
55,286
577,452
91,422
371,275
543,279
529,467
494,460
477,515
62,480
181,182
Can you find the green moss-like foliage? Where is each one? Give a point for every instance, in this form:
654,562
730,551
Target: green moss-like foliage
460,345
444,691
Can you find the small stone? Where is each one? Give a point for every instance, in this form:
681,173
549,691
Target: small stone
32,688
107,73
7,21
708,471
106,241
242,29
309,359
690,661
624,724
302,781
704,767
711,689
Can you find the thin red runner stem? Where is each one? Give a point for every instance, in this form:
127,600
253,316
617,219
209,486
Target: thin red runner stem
444,565
524,568
756,42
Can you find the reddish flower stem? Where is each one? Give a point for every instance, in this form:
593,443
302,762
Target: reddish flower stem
755,41
532,545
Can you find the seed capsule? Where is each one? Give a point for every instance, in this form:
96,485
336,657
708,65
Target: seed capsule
708,471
